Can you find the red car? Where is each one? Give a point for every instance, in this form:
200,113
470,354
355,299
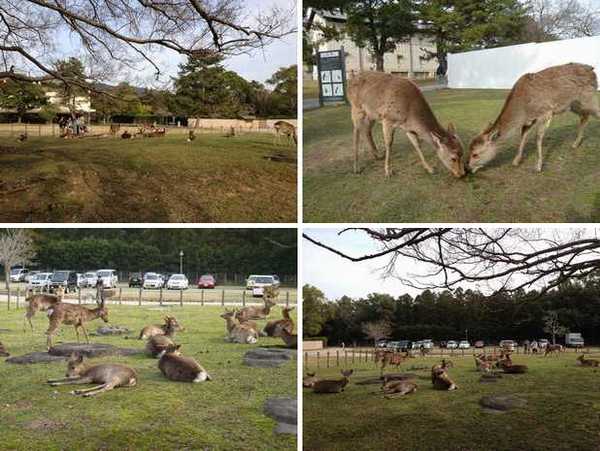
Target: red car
206,281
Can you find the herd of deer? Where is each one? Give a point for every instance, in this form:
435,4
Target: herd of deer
160,340
533,101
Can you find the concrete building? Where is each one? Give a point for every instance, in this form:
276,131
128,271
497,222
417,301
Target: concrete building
408,59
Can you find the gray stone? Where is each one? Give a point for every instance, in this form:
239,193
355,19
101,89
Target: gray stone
285,412
91,350
389,377
111,330
492,377
502,403
268,357
34,357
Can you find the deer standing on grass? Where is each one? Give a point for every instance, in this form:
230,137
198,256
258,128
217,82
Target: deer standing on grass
274,328
157,344
551,349
108,375
398,103
239,332
332,385
286,129
40,303
73,315
389,358
177,367
151,331
533,101
3,351
587,362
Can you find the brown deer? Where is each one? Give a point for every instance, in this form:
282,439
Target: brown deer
290,340
533,101
3,351
41,302
397,102
482,365
177,367
332,385
275,327
394,389
157,345
587,362
440,378
239,332
509,367
386,358
108,375
286,129
254,312
551,349
309,380
150,331
73,315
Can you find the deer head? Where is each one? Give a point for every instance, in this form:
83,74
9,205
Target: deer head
450,150
75,365
483,149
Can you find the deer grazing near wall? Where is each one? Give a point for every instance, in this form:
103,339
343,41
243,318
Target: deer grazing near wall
587,362
332,385
150,331
158,344
397,102
177,367
533,101
108,375
283,128
40,303
73,315
238,332
3,351
275,327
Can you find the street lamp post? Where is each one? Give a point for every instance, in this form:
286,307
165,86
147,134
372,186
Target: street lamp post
180,262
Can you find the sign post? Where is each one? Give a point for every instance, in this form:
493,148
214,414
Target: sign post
331,66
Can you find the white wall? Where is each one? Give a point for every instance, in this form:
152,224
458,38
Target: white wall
500,68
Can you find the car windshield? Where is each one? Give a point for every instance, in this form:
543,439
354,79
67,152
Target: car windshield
104,273
178,277
14,272
264,280
60,276
151,276
40,276
90,274
207,278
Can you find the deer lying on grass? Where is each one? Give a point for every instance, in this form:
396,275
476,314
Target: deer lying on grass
533,101
389,358
41,302
394,389
108,375
239,332
290,340
254,312
3,351
275,327
309,380
551,349
332,385
151,331
286,129
73,315
509,367
157,344
587,362
177,367
440,378
482,365
398,103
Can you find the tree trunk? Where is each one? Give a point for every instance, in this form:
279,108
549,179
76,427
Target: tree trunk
7,281
19,118
553,338
379,62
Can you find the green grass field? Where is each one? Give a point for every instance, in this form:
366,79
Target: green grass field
566,191
224,414
562,411
212,179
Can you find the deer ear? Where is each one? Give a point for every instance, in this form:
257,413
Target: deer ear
451,128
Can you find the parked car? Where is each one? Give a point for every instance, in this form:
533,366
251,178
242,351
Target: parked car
40,281
381,344
401,345
152,280
464,344
574,340
30,275
425,344
261,281
443,344
65,279
109,277
136,280
451,344
206,281
178,282
542,343
508,345
18,274
80,280
479,344
90,279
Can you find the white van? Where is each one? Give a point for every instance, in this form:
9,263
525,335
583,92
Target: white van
109,277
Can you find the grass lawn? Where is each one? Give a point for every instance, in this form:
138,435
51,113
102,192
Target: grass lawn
226,413
212,179
566,191
562,411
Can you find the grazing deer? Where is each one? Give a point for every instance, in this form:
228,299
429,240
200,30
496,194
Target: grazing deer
389,358
239,332
3,351
108,375
151,331
73,315
309,380
551,349
177,367
286,129
398,103
332,385
587,362
157,344
275,327
509,367
394,389
254,312
40,303
533,101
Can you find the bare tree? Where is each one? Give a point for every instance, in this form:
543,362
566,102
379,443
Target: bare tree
16,247
119,34
377,330
502,259
562,19
553,326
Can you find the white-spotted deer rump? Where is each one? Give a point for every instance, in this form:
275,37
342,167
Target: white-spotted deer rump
107,375
180,368
397,102
533,101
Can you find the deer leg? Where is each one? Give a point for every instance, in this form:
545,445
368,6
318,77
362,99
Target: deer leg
414,139
27,317
87,339
388,138
92,390
356,143
540,138
584,118
368,127
77,332
524,135
77,380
